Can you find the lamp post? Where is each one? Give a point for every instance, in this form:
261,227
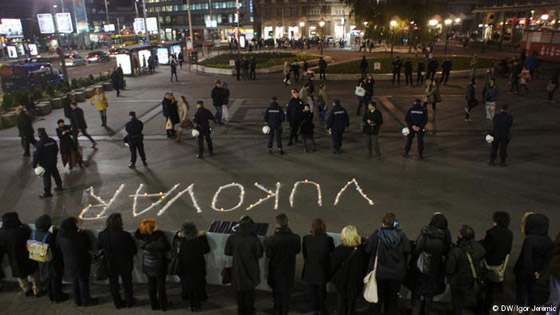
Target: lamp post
447,23
392,25
321,24
301,26
432,23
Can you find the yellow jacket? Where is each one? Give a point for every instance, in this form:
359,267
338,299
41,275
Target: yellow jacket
100,101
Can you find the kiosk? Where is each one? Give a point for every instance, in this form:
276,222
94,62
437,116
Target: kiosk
134,59
167,49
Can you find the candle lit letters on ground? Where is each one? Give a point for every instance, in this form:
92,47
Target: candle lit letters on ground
161,197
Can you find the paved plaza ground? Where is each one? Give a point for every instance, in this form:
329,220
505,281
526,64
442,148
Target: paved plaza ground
453,178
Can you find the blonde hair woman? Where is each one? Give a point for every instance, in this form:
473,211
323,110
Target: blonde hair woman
348,267
185,121
100,101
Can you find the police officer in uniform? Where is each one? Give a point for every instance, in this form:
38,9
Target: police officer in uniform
502,124
274,116
294,113
135,139
416,119
202,119
25,128
338,121
45,155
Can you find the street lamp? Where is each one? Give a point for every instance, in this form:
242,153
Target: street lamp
433,23
392,25
447,23
301,25
321,24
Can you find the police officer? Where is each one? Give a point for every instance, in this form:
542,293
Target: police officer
135,139
45,155
338,121
25,128
408,71
202,119
274,116
397,64
502,124
416,119
294,113
445,71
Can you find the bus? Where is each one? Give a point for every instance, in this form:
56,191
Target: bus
123,40
544,41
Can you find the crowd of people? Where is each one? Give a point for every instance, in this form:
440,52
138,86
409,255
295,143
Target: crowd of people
40,258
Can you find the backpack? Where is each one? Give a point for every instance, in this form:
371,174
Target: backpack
39,251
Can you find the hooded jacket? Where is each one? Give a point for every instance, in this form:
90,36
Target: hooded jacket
536,251
394,248
13,240
246,250
281,250
74,246
555,262
458,267
55,267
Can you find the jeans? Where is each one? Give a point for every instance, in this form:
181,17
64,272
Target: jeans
313,144
361,101
420,306
246,302
525,290
51,171
373,144
275,133
408,78
134,146
322,75
174,74
502,143
294,127
444,77
388,291
491,291
469,107
420,79
317,297
156,285
103,115
75,133
490,110
398,76
114,286
80,289
218,115
25,143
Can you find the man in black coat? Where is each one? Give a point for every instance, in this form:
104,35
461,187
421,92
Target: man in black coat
445,71
373,119
219,96
79,125
281,250
397,64
45,155
497,243
294,114
115,80
120,73
502,125
516,70
364,66
274,116
461,266
253,67
202,119
171,113
119,249
294,67
337,122
421,72
322,69
471,99
237,64
246,249
433,65
25,129
408,71
416,119
173,68
135,139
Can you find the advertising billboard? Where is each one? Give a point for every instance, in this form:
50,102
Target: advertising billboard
163,55
81,15
64,22
152,25
139,25
109,27
11,27
46,23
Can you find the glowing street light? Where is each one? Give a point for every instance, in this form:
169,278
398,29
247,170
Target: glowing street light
321,24
457,20
393,23
544,17
301,24
448,22
432,22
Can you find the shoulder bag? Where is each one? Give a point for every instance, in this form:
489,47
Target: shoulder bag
370,281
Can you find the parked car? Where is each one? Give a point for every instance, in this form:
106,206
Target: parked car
39,59
113,52
97,56
74,60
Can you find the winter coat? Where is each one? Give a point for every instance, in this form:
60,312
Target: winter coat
183,110
316,251
154,252
368,86
497,243
458,268
193,265
119,249
502,124
491,93
434,240
394,248
218,96
470,93
555,261
46,151
246,250
376,117
170,110
307,127
202,118
294,110
349,267
281,251
55,267
13,241
25,125
74,246
274,116
536,251
67,144
78,120
100,101
364,64
416,116
338,118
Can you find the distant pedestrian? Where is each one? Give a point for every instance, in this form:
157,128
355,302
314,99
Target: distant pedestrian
135,139
431,94
116,81
25,130
307,128
322,69
184,120
202,119
369,84
323,102
397,65
100,101
473,66
79,125
119,249
181,59
219,96
316,249
421,73
273,117
408,72
287,69
491,94
372,121
237,66
348,269
173,68
66,101
361,93
502,125
245,68
416,119
155,249
45,155
253,68
69,152
524,78
170,113
533,64
433,66
554,298
294,68
445,71
120,74
281,251
246,250
294,113
470,97
305,67
337,122
364,66
515,77
553,84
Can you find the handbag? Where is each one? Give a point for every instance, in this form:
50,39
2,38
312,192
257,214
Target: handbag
225,113
99,270
226,275
174,267
39,251
168,124
370,281
360,91
495,274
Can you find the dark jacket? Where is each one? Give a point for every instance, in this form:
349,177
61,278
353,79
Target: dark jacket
307,126
55,267
470,93
433,64
394,248
497,244
338,118
322,65
170,110
193,265
66,101
491,93
502,123
115,78
25,125
368,86
202,118
536,251
408,66
67,144
246,250
134,129
435,240
349,267
253,64
416,116
458,268
397,64
364,64
316,251
13,241
555,261
446,66
294,110
281,251
305,66
78,120
421,67
45,154
74,246
218,96
119,248
274,116
154,252
376,117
